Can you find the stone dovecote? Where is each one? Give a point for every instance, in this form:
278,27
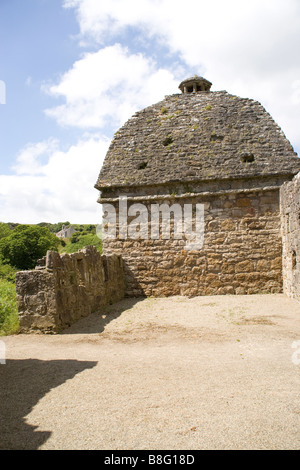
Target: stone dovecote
216,150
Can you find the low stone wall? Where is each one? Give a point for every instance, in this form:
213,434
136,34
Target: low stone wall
290,226
64,288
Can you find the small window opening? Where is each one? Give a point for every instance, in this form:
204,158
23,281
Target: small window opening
216,138
168,141
80,267
247,158
72,278
294,259
105,267
142,165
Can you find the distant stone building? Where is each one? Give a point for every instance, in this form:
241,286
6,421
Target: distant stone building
204,149
66,232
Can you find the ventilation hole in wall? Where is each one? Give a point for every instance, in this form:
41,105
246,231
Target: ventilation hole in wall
105,267
168,141
80,267
216,138
142,165
294,259
247,158
72,278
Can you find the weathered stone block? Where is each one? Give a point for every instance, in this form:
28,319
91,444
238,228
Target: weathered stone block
243,202
263,265
228,225
244,267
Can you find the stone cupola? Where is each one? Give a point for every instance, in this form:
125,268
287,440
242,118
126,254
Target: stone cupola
194,84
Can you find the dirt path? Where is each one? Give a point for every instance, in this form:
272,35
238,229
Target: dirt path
214,372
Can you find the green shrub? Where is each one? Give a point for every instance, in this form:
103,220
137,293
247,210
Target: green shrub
75,237
8,308
7,272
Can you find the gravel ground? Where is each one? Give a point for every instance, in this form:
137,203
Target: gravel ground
218,372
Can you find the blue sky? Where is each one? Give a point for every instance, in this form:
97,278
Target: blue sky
76,70
36,46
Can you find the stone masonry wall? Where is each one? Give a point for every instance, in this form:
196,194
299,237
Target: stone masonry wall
242,251
290,222
64,288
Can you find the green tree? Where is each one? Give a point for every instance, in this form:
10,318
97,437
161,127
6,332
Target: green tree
4,230
7,272
54,228
26,244
75,237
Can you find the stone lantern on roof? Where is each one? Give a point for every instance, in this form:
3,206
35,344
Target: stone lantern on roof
194,84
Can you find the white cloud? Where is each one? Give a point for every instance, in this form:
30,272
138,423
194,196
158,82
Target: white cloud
296,92
29,159
107,87
250,32
246,47
61,188
103,20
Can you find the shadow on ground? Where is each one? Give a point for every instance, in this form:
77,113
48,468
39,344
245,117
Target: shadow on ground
96,322
22,384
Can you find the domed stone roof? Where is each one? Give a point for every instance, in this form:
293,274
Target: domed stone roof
197,136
